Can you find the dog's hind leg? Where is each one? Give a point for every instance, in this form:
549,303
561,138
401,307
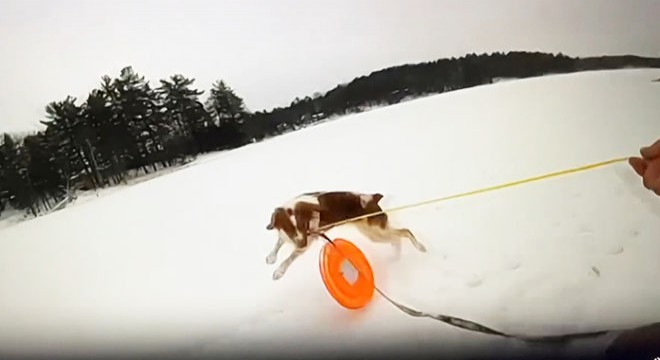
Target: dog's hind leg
408,234
379,233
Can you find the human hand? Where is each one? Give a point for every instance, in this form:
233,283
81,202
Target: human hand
648,166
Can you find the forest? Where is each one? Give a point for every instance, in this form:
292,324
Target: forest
127,125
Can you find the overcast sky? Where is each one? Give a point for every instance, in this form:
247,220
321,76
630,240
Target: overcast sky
271,51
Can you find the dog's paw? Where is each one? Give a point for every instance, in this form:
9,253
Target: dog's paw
278,274
420,247
270,259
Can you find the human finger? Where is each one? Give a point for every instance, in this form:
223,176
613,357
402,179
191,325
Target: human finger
651,152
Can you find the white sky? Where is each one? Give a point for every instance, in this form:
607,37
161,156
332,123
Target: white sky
271,51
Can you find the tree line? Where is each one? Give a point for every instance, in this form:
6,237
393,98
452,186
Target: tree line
125,124
395,84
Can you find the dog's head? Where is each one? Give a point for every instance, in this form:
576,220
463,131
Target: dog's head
278,218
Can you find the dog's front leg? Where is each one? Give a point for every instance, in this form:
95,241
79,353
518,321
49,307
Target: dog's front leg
301,243
284,266
272,257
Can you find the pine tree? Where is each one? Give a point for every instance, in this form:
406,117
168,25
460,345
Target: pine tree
181,107
72,135
228,111
44,170
134,105
14,163
224,105
97,112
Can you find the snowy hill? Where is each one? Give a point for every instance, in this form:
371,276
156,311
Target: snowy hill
176,265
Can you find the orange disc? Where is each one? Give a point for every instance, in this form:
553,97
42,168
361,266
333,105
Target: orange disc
352,295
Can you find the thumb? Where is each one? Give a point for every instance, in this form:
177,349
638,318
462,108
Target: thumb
638,164
651,152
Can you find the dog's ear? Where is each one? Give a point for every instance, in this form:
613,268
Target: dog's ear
377,197
273,219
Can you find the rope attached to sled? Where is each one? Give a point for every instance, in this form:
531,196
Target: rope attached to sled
471,325
463,323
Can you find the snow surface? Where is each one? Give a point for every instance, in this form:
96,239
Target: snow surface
176,265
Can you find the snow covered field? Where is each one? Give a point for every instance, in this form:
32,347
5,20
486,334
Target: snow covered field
176,265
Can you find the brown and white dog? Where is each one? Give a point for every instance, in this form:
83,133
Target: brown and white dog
298,222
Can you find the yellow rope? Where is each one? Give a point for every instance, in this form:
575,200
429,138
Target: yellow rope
480,191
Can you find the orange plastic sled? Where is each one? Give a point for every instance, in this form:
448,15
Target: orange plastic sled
351,296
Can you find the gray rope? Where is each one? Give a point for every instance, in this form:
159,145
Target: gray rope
476,327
